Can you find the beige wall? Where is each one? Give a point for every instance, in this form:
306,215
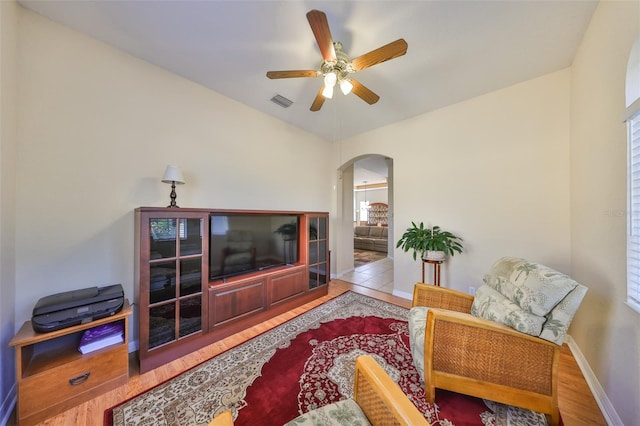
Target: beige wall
8,94
606,330
97,128
534,170
493,170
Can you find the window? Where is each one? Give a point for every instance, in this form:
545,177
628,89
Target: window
364,211
165,229
219,225
632,115
633,222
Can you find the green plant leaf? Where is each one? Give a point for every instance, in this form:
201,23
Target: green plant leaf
420,239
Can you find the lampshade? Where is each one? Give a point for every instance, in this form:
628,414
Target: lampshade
327,92
345,86
173,175
330,79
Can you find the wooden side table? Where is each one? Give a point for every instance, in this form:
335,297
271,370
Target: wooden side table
436,270
54,376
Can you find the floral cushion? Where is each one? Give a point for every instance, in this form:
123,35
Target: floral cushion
493,306
342,413
536,292
535,288
558,320
417,330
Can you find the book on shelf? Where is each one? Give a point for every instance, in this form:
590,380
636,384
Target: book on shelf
101,336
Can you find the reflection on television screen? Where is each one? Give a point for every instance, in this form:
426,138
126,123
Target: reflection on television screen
243,243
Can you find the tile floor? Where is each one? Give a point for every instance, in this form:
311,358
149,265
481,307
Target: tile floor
376,275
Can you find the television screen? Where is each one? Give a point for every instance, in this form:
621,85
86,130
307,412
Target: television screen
246,242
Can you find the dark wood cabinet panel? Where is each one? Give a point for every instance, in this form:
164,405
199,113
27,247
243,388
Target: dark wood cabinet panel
237,301
283,287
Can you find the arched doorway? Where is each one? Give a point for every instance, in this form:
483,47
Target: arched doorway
367,206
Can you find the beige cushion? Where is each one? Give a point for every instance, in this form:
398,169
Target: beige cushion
529,297
535,288
375,231
361,231
491,305
417,329
342,413
558,320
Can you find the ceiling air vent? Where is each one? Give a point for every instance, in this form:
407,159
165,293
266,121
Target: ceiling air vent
282,101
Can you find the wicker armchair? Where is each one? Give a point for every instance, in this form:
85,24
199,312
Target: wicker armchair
482,358
377,397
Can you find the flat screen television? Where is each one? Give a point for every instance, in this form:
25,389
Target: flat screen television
249,242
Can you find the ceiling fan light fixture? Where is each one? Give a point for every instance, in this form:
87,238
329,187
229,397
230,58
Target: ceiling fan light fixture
345,86
327,92
336,64
330,79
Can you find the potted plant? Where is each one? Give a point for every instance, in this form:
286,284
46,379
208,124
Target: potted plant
430,243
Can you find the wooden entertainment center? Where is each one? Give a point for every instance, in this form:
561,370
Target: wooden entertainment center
188,298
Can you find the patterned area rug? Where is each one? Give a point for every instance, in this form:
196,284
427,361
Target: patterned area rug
302,364
362,257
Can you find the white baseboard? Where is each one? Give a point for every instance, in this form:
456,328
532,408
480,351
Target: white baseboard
609,413
8,405
342,274
404,295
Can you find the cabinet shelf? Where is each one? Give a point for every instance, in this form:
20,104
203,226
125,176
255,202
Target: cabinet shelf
52,358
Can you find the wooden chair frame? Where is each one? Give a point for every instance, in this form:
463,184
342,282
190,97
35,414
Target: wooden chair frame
477,357
380,398
223,419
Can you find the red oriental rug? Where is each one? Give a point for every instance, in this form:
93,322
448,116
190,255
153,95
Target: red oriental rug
305,363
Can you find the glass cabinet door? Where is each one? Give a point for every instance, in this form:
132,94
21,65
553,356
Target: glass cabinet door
318,251
175,278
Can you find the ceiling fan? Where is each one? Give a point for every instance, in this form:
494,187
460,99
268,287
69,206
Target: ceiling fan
336,65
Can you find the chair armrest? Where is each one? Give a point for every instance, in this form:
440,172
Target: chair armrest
380,398
444,298
490,356
222,419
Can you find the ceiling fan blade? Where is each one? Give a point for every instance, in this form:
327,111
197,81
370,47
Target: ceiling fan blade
292,74
318,101
320,27
381,54
364,93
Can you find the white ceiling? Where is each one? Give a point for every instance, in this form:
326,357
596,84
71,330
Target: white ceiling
457,49
372,169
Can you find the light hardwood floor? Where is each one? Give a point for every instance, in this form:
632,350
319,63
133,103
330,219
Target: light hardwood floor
577,405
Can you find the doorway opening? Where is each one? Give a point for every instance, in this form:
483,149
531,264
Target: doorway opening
370,222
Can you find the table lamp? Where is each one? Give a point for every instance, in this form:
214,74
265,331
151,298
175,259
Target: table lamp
173,175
